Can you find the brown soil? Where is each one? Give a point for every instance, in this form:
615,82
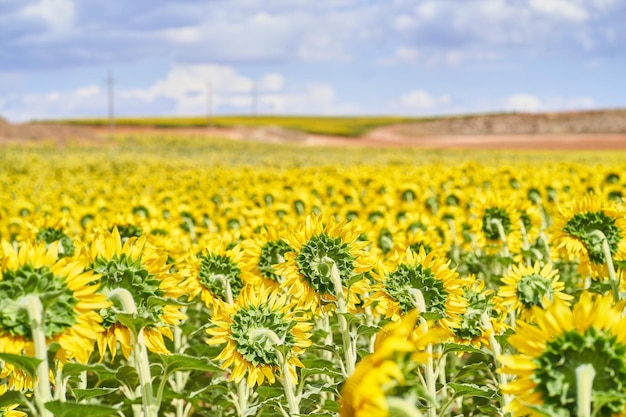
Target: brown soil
558,131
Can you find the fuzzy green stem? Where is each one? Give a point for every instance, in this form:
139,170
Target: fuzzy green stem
348,345
584,383
399,407
43,393
286,380
502,233
430,377
140,351
496,350
608,257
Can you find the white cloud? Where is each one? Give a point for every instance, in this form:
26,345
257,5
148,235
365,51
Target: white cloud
59,15
422,100
183,91
271,82
522,102
561,9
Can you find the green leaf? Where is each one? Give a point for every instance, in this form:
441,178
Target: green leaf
367,330
180,362
66,409
134,323
456,347
127,375
11,398
83,394
76,369
25,363
471,390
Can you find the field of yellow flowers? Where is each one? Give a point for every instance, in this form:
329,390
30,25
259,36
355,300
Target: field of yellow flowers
181,276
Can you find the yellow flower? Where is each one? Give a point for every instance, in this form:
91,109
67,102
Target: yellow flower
318,246
495,222
69,299
252,329
576,233
214,273
550,350
261,253
371,391
393,293
141,269
10,410
525,287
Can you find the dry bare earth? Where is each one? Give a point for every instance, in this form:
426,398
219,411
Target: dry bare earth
573,130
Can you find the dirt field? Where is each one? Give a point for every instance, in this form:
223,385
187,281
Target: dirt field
557,131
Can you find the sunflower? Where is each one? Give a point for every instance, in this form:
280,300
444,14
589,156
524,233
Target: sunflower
141,269
525,287
68,296
261,253
317,247
496,223
393,293
575,233
479,302
252,328
50,229
593,332
384,382
214,273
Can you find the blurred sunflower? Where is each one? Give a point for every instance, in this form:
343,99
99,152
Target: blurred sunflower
525,287
393,292
593,332
496,223
68,296
471,330
141,269
384,382
575,233
317,246
49,229
260,322
214,273
261,253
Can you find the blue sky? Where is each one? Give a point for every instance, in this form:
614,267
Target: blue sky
330,57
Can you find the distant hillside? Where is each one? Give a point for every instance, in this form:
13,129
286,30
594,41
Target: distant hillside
605,121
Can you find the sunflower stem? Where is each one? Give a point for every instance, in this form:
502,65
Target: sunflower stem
606,249
402,408
525,245
42,390
342,309
502,233
430,376
496,350
140,351
288,385
584,383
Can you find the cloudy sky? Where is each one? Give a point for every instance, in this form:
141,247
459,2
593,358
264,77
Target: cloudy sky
338,57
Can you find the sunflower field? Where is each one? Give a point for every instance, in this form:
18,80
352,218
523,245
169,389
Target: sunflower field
184,276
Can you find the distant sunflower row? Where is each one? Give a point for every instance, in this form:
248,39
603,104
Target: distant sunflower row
474,288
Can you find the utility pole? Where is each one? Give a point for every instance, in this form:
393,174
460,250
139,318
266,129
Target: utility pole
110,82
209,103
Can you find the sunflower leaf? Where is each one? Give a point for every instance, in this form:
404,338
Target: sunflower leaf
180,362
25,363
471,390
12,397
456,347
83,394
67,409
